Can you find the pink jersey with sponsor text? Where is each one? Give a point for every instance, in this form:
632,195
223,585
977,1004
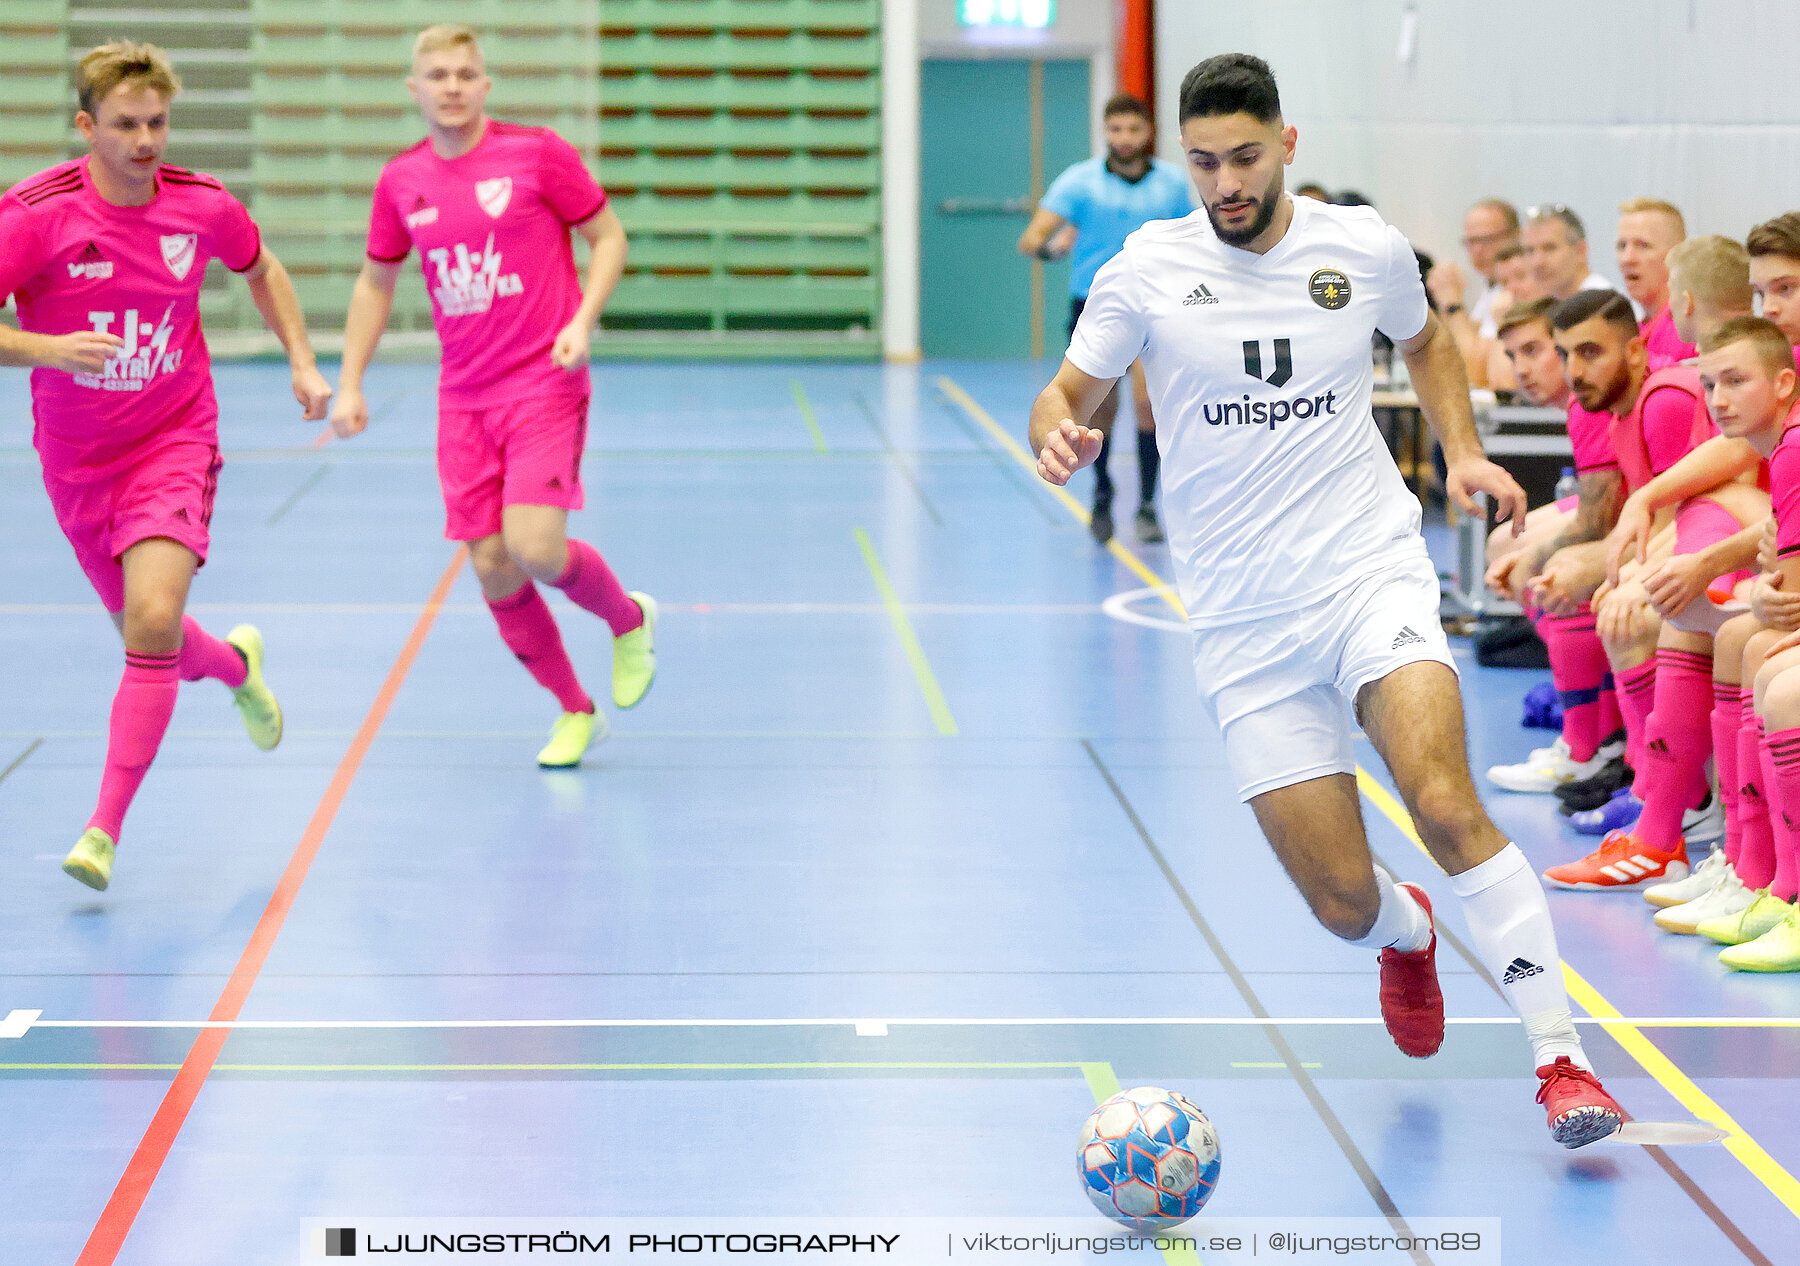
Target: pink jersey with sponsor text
1784,489
492,231
73,261
1662,342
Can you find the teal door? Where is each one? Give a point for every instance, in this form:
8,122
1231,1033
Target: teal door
993,135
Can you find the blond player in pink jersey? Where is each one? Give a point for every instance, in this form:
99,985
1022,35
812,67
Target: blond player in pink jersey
489,206
105,255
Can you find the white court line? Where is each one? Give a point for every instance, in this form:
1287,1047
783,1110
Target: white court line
1121,607
23,1021
693,608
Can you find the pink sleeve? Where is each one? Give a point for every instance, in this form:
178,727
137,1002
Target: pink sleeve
566,183
235,236
389,242
1591,438
21,253
1670,428
1784,481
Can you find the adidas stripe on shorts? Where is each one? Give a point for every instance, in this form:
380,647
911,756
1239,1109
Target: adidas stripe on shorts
1282,689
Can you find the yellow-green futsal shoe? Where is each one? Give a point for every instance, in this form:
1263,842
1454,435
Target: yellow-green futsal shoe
255,701
1747,924
570,737
1776,950
634,656
91,859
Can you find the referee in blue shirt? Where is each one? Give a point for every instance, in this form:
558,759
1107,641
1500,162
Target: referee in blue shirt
1104,200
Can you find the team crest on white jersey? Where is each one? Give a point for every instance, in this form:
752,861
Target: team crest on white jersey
493,195
179,251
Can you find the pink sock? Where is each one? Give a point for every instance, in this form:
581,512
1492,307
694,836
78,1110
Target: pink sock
591,585
203,655
140,715
1611,719
530,632
1781,769
1677,742
1578,666
1637,695
1755,864
1727,720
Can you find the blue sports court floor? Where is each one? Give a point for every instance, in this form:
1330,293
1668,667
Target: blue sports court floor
912,851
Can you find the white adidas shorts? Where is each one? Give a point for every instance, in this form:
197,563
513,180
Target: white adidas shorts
1282,689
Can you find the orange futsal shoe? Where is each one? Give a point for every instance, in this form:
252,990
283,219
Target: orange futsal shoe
1621,863
1412,1005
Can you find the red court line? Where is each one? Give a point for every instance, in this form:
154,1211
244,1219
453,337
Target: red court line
109,1233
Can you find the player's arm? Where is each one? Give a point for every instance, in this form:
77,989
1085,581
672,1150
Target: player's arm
1035,240
83,352
1442,385
1717,461
370,302
606,236
1060,436
272,290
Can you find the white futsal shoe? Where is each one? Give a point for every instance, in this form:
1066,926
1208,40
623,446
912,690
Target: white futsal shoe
1727,896
1698,884
1550,767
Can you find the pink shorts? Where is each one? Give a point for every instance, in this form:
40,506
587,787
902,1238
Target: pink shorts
1701,523
167,491
524,453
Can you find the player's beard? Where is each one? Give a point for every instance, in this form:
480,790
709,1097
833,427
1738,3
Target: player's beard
1130,155
1265,216
1604,398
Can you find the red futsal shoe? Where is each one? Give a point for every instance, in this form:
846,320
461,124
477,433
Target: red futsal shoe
1581,1112
1412,1005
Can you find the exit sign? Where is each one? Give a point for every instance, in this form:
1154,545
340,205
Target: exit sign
1037,15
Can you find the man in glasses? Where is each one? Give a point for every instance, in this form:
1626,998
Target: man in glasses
1490,226
1556,243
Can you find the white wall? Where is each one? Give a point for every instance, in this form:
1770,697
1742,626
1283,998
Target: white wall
1082,27
1583,102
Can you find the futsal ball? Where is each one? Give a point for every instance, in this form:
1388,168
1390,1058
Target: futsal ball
1148,1158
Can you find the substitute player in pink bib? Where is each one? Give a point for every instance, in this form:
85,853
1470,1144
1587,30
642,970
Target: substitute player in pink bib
489,207
104,256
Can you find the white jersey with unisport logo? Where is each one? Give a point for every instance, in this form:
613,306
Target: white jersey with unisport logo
1277,488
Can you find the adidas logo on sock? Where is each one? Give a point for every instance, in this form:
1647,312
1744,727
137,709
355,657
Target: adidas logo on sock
1657,745
1519,969
1750,792
1201,295
1407,638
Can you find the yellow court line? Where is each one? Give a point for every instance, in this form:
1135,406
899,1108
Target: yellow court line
1738,1142
806,412
1163,588
909,640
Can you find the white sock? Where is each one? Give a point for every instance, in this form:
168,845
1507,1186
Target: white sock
1509,921
1401,922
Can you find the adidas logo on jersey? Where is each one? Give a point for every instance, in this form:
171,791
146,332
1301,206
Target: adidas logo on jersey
1519,969
1407,638
421,213
1201,295
91,264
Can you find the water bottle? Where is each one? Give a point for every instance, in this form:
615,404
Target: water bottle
1568,485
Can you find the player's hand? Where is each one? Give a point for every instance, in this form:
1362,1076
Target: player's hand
1511,575
1632,531
1447,284
350,415
1067,449
312,391
1765,548
570,351
1624,614
1473,475
1773,605
83,352
1787,643
1558,589
1675,582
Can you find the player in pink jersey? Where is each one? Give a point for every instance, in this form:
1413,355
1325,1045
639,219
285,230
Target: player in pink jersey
490,206
104,256
1748,368
1648,229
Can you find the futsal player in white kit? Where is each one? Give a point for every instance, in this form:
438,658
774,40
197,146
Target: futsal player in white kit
1299,558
